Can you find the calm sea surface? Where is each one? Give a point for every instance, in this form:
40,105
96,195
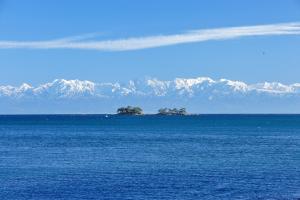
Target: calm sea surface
150,157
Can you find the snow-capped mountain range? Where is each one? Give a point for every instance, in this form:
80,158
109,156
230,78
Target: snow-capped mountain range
187,88
192,93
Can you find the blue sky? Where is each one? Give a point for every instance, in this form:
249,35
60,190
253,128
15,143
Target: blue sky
250,59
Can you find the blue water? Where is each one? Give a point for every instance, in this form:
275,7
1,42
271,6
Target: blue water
150,157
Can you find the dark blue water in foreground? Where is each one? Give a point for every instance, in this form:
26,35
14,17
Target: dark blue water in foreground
150,157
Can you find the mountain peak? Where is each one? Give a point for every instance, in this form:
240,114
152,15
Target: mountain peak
62,88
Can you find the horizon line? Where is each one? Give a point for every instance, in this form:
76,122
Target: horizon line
189,114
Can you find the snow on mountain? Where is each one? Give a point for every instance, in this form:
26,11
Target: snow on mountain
11,91
275,87
159,88
65,88
181,87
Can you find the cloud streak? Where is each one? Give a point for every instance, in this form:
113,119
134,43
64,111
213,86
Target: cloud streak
137,43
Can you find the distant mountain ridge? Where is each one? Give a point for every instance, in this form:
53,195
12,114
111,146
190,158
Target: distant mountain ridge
201,94
61,88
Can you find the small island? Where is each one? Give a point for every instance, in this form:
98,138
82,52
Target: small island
130,110
173,111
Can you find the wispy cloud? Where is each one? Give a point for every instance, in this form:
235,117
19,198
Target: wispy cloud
136,43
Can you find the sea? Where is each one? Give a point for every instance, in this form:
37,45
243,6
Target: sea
47,157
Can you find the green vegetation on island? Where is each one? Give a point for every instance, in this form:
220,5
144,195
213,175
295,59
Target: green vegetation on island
130,110
173,111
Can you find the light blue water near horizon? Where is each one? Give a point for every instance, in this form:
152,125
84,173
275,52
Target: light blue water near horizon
149,157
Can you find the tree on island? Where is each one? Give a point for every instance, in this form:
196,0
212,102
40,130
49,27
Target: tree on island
130,110
182,111
163,111
174,111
